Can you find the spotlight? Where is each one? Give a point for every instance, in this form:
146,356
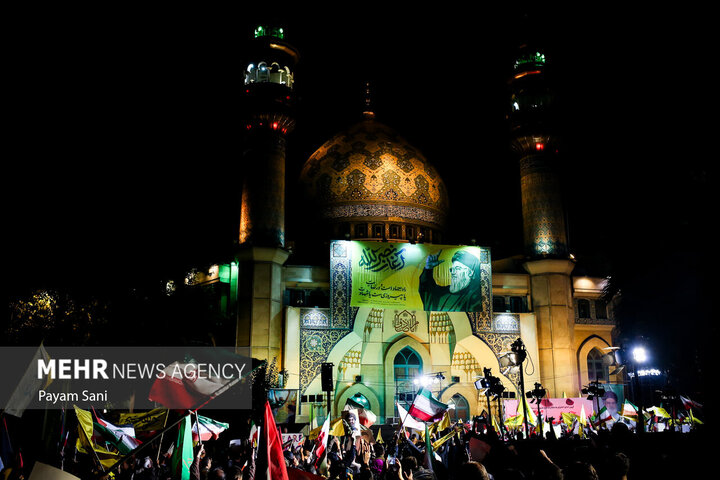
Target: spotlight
639,355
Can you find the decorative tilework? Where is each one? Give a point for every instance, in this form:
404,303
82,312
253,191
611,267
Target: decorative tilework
377,209
506,322
315,346
315,317
370,162
342,314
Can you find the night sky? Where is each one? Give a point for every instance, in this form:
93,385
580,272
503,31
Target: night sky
125,144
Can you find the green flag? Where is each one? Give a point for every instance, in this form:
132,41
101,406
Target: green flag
428,449
182,457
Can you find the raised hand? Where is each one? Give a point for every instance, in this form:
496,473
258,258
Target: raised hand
432,261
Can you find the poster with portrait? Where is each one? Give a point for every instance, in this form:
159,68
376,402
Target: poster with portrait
613,399
283,404
404,276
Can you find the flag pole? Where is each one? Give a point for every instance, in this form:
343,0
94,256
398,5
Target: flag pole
167,414
402,425
189,412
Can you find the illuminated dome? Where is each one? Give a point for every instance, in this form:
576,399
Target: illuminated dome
370,183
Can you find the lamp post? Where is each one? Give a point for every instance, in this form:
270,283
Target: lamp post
639,356
538,393
518,349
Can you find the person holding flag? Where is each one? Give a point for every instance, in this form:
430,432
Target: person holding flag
426,407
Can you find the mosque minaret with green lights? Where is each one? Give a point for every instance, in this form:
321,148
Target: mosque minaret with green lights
367,183
535,141
267,104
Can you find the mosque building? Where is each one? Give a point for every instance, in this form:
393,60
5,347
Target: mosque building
368,184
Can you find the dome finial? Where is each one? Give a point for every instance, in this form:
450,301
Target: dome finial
368,110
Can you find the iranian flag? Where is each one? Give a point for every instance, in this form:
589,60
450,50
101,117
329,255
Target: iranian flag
322,441
205,429
689,404
181,386
603,416
629,410
426,408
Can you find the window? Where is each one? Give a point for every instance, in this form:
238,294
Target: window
361,230
596,368
601,309
408,366
499,304
518,304
583,308
462,409
410,232
378,230
394,231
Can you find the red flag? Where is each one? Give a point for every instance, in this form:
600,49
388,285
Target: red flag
322,440
271,461
296,474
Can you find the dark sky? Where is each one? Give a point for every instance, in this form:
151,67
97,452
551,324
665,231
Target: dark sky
125,144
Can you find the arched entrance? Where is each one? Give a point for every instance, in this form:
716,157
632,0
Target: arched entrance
407,367
460,408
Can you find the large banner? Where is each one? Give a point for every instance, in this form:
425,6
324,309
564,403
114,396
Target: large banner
552,407
438,278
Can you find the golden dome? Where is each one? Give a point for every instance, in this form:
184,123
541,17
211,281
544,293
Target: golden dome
369,171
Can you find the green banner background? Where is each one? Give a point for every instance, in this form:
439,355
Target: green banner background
388,275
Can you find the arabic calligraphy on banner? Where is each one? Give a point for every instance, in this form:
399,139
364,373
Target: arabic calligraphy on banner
408,276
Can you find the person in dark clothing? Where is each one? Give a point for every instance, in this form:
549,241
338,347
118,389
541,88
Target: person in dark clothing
462,295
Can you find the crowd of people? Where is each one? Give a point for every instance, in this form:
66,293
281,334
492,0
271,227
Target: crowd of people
480,453
473,451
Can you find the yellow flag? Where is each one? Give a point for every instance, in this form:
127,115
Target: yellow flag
337,429
524,406
659,411
444,422
496,424
443,439
568,418
85,444
583,416
146,421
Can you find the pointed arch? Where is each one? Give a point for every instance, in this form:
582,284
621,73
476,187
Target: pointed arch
420,349
587,345
341,399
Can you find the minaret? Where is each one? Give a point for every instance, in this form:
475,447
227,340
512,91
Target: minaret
267,116
535,141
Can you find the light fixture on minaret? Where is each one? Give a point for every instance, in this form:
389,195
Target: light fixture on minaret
368,111
267,107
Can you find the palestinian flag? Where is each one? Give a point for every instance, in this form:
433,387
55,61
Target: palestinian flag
426,408
207,429
121,437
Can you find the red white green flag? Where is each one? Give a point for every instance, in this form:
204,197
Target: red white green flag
427,408
205,429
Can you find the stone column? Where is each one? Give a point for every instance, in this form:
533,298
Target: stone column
551,286
260,302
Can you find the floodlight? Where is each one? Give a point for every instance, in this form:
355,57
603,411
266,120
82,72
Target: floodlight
639,354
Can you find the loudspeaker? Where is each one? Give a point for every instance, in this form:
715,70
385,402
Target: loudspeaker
326,379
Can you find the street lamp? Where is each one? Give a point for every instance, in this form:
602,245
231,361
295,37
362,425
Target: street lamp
639,355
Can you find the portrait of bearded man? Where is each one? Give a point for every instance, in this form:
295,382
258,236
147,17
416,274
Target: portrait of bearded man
462,295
